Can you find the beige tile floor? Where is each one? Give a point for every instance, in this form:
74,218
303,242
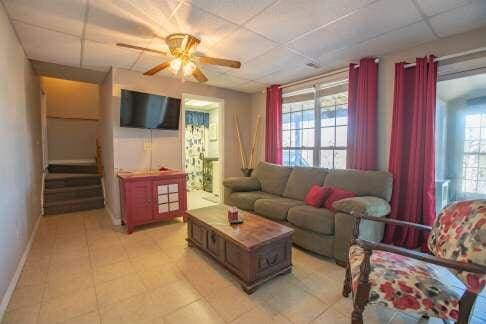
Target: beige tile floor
83,270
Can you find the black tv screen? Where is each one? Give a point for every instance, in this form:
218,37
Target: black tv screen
145,110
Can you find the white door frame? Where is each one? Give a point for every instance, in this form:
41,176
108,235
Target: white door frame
45,155
186,96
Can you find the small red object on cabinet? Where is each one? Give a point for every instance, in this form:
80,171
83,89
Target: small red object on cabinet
152,196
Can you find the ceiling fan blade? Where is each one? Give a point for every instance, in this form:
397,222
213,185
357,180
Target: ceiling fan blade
157,68
140,48
199,75
219,61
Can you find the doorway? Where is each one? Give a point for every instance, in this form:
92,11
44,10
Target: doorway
202,148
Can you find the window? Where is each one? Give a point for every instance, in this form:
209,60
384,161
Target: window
314,130
474,154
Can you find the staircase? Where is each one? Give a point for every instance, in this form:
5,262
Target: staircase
72,187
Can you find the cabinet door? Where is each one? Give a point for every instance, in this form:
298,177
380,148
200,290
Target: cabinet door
141,201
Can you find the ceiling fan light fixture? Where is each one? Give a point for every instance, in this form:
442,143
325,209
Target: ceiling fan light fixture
175,65
188,68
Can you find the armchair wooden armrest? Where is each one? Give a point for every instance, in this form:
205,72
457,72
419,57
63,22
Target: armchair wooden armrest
392,221
429,258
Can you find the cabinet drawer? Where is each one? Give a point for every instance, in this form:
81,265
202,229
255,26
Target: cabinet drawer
215,244
198,234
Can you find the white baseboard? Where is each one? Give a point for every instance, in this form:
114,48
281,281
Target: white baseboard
114,220
80,161
13,282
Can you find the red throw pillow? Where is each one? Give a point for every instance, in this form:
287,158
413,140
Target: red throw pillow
337,194
317,195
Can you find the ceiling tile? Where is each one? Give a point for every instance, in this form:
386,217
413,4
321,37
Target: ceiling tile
204,25
406,37
376,19
289,75
222,80
274,60
242,45
99,56
118,21
291,18
62,48
461,19
237,11
60,15
250,87
433,7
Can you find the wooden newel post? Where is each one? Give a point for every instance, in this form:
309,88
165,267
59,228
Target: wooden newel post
348,281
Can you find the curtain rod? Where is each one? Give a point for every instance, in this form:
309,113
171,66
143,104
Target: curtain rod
447,57
320,76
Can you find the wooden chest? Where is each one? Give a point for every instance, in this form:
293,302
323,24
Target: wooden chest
254,251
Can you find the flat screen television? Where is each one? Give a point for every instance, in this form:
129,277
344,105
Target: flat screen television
145,110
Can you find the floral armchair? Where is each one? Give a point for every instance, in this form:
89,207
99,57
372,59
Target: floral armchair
409,280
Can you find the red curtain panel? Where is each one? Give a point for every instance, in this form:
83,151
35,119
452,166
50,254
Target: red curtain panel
362,115
412,150
273,130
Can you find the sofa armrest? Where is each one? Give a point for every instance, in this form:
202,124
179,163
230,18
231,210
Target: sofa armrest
372,206
239,184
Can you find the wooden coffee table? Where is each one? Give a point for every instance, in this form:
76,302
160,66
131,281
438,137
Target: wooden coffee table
255,251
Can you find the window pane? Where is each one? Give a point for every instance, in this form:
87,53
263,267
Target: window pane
286,157
482,174
481,187
327,117
296,138
296,120
472,134
482,161
471,173
468,186
308,137
473,120
327,137
285,138
308,105
341,135
285,121
301,157
342,115
340,159
286,108
470,161
471,146
326,159
308,119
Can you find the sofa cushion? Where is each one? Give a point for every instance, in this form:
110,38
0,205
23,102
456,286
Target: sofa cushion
242,183
301,179
272,177
363,183
319,220
316,196
246,200
276,208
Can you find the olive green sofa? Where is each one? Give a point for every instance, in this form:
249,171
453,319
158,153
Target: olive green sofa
278,192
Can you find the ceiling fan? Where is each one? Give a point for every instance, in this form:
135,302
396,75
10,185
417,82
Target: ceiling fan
185,61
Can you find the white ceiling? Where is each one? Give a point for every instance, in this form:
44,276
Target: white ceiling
274,39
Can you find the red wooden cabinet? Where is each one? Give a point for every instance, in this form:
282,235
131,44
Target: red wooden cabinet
148,197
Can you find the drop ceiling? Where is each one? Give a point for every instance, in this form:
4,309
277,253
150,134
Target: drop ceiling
274,39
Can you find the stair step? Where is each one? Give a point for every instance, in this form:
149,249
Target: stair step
87,168
68,206
61,180
69,193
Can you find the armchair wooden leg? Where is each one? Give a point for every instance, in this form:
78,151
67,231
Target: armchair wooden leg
360,299
347,282
465,306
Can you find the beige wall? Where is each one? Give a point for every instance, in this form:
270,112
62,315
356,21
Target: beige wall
455,44
128,143
20,148
72,113
71,99
258,105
